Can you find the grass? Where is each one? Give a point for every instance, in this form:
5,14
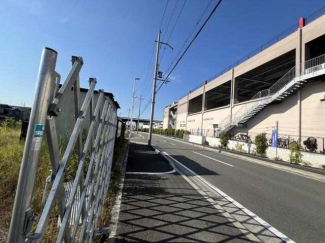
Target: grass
11,152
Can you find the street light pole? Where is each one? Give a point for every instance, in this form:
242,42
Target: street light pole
132,106
154,89
129,110
139,114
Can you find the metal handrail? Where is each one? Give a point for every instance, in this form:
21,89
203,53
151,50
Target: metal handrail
311,65
314,63
266,93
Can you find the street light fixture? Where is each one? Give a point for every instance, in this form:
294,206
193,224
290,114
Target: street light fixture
132,106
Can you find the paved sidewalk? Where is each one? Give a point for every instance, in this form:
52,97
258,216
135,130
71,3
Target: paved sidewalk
165,207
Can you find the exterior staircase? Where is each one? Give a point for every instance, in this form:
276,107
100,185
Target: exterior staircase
284,87
172,119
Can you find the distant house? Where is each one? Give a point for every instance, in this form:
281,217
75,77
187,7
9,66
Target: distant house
18,113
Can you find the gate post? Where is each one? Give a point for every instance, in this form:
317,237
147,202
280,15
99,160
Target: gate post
22,216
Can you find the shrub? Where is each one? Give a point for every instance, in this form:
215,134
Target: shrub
295,149
239,148
224,139
261,144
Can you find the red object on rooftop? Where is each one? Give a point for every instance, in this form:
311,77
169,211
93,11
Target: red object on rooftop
302,22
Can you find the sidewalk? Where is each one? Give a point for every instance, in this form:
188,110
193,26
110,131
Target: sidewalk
159,205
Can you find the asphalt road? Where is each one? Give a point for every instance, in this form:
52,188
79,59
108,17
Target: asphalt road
293,204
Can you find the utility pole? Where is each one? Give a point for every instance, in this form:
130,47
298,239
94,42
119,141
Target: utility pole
129,117
154,89
139,114
155,83
132,106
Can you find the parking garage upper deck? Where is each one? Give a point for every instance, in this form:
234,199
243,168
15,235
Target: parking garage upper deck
262,68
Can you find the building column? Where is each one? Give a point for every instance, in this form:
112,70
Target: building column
203,105
300,60
187,110
233,92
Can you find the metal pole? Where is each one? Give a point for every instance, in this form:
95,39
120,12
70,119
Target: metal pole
139,114
128,119
132,105
277,131
22,216
154,89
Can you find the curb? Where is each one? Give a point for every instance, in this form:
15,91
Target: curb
115,213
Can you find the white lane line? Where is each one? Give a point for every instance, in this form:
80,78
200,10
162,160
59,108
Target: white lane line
213,159
173,144
151,173
247,211
141,136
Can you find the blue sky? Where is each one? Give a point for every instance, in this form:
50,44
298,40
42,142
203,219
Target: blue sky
116,40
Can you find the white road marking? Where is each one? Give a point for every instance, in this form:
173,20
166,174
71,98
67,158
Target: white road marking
306,174
151,173
247,211
173,144
213,159
141,136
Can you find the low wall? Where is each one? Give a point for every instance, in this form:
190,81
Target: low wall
196,139
310,159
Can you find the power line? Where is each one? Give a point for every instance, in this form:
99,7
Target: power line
162,19
179,59
146,106
170,18
145,85
191,33
190,44
172,31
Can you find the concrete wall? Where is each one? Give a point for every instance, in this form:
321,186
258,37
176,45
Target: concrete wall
310,159
214,116
219,81
196,93
196,139
181,121
166,117
194,121
313,109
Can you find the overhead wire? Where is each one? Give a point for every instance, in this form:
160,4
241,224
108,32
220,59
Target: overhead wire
145,85
188,46
170,19
173,28
191,33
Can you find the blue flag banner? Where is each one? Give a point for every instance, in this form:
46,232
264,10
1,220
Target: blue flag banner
274,138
